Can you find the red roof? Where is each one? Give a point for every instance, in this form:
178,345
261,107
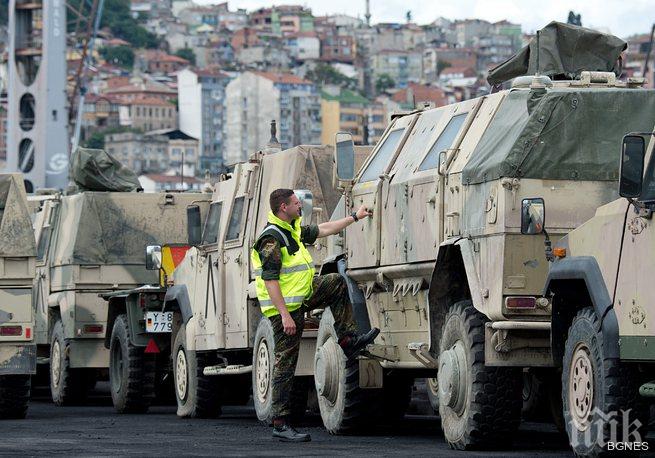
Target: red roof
215,72
151,101
117,81
421,93
283,78
164,57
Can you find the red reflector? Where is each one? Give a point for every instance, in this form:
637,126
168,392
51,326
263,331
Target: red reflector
92,328
520,302
142,300
152,347
28,333
11,331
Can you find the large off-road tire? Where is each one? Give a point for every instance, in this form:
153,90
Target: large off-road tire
67,386
344,407
432,388
479,406
197,395
14,396
263,361
598,391
131,371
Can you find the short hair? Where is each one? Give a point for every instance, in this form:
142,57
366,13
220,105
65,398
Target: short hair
279,197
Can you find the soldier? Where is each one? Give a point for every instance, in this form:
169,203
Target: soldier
287,288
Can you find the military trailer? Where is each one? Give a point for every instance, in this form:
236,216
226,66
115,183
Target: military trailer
442,267
217,340
601,289
88,243
17,255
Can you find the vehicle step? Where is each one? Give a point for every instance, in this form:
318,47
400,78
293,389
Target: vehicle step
234,369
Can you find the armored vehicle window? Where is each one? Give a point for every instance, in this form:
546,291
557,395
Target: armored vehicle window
44,240
379,163
234,228
210,233
648,189
445,141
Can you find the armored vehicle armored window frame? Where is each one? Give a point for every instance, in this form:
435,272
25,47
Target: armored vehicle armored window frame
236,220
212,224
383,156
431,160
45,237
648,188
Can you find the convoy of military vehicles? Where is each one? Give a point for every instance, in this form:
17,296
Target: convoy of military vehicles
507,254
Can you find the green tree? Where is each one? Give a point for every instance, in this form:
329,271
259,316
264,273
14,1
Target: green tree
442,65
326,74
188,54
116,15
96,141
384,82
119,55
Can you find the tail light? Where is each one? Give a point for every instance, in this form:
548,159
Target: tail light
92,328
520,302
11,331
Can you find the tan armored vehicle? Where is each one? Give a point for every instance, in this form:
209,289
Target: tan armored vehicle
17,254
442,267
209,321
602,291
93,242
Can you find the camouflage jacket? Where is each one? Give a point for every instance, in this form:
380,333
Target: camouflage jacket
271,256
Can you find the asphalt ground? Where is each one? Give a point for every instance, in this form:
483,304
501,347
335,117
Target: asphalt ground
96,430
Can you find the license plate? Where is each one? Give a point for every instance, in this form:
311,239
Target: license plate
159,321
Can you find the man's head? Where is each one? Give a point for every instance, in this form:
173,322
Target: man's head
285,205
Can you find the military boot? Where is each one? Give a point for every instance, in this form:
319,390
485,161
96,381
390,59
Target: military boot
287,433
353,345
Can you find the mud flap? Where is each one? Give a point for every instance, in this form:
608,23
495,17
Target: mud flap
17,359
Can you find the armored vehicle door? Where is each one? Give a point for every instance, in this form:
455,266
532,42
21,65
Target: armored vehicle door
205,300
635,288
235,258
45,224
363,240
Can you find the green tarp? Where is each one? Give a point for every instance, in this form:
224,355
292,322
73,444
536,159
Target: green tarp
97,170
560,134
562,51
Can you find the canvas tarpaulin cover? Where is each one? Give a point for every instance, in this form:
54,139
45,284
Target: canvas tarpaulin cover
97,170
560,134
562,51
115,228
16,233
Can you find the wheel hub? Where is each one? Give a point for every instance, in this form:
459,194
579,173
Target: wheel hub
326,370
55,363
262,375
581,388
452,377
181,377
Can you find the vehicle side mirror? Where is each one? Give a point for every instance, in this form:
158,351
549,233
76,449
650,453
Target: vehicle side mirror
194,226
344,152
153,257
533,216
307,199
632,166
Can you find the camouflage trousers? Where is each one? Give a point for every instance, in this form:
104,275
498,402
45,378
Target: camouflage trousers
329,291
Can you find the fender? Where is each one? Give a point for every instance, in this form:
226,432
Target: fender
179,294
357,299
582,269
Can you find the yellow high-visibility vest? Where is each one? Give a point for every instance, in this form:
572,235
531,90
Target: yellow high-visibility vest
297,270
